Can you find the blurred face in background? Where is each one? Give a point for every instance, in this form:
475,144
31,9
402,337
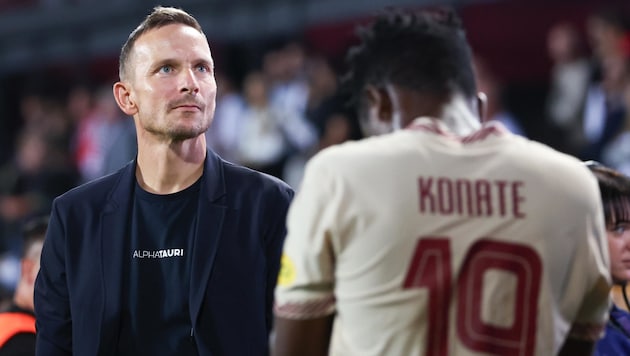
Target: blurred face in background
31,152
171,84
604,37
619,248
563,43
255,90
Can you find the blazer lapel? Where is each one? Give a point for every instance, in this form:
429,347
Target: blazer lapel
210,215
114,231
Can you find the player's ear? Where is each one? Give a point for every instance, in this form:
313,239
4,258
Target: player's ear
482,106
124,99
379,103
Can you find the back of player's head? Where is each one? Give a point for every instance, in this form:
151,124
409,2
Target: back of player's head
424,51
614,188
33,231
160,17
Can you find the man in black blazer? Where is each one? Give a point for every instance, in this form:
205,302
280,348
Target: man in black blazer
178,252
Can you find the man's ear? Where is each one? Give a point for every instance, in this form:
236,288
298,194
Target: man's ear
379,103
122,94
482,106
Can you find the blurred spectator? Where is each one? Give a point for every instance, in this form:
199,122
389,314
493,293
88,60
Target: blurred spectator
617,153
105,138
604,112
223,137
32,110
287,82
269,134
9,275
570,78
6,297
17,324
262,144
490,84
326,110
30,182
79,104
322,100
87,142
338,128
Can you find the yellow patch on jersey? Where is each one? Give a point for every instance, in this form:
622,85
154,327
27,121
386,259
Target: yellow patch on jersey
287,271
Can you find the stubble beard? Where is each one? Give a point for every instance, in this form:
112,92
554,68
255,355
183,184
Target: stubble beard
177,133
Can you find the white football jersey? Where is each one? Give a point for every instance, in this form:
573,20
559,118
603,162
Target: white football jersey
425,243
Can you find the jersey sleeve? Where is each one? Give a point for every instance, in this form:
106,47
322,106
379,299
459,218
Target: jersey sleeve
305,288
590,276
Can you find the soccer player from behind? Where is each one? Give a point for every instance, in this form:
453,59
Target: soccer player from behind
443,235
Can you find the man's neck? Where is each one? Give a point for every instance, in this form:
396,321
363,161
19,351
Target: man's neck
165,168
458,115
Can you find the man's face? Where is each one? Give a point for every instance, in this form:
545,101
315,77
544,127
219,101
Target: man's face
171,81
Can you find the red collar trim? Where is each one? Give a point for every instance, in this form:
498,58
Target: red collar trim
438,128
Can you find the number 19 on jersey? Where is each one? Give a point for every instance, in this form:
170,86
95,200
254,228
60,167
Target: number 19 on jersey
430,268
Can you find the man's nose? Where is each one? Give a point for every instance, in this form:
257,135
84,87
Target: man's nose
189,83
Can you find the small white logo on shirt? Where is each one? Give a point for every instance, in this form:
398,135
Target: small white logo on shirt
171,252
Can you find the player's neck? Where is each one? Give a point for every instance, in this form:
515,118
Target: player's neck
165,168
458,115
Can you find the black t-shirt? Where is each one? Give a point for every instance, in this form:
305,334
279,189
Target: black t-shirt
156,317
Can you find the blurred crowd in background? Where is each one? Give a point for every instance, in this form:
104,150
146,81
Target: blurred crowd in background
274,115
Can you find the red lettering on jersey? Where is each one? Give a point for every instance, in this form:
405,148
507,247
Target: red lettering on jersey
460,185
501,186
430,268
424,185
484,197
523,263
473,198
445,196
517,199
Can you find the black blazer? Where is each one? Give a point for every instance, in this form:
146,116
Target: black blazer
241,217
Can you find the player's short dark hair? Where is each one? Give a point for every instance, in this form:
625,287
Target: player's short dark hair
426,51
33,230
614,188
160,17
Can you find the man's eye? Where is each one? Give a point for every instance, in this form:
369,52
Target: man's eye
203,68
166,69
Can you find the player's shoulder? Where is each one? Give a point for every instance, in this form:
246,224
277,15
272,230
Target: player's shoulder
352,153
543,156
556,169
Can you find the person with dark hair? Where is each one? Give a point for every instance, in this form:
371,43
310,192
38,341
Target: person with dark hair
17,325
604,111
444,235
568,85
178,252
615,192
